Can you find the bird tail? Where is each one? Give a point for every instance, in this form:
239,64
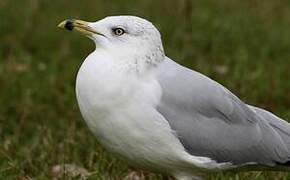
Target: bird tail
281,126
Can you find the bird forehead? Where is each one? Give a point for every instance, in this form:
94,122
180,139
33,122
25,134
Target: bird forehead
130,22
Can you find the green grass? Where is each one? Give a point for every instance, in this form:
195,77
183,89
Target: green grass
245,45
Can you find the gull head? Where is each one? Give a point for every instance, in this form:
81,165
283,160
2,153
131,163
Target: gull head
128,38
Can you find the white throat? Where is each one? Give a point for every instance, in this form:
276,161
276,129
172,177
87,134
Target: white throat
105,79
134,59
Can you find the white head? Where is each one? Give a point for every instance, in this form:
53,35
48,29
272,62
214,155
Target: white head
128,38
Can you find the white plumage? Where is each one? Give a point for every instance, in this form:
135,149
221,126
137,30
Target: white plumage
160,116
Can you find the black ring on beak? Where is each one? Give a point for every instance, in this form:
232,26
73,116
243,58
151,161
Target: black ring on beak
69,24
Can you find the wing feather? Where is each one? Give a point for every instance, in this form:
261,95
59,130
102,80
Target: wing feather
210,121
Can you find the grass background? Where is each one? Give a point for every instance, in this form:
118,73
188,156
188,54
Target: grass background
245,45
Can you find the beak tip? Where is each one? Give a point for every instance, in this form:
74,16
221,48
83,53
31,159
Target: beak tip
67,24
61,25
78,25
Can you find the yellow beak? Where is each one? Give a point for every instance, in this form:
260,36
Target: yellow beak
79,26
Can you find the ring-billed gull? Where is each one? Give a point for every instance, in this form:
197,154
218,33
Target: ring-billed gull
161,116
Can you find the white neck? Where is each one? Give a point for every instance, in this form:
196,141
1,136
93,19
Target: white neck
139,59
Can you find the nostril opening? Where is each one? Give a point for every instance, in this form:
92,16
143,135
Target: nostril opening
69,24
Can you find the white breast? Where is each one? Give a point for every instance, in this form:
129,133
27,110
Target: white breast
120,110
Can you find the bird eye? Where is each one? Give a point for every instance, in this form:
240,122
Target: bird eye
118,31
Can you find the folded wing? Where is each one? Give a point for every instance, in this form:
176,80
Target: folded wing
210,121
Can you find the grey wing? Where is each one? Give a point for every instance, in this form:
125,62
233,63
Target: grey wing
210,121
281,126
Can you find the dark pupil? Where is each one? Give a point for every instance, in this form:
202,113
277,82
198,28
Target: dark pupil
119,31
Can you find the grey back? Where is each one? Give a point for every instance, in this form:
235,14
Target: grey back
210,121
